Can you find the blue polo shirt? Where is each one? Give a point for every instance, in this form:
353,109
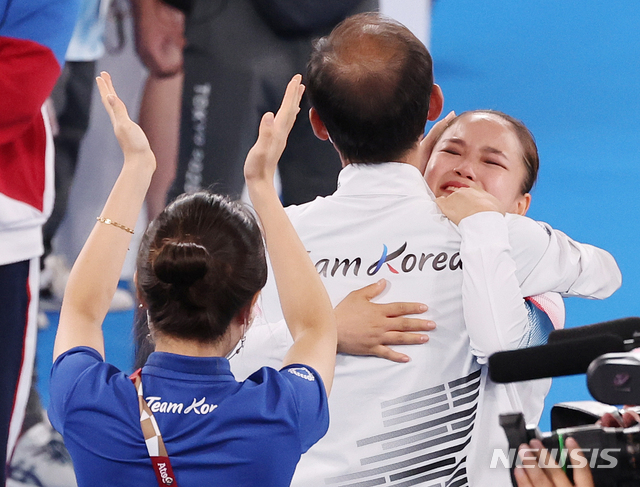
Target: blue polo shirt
217,431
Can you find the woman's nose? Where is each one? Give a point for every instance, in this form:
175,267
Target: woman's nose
465,169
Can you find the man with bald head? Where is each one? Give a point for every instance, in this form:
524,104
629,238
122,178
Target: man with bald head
370,83
372,89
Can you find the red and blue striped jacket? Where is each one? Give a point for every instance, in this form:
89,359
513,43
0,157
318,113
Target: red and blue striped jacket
34,35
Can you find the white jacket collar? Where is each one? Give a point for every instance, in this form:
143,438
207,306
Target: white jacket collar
391,178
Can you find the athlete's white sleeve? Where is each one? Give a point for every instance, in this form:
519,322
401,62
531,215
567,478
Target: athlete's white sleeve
494,286
492,301
565,266
497,318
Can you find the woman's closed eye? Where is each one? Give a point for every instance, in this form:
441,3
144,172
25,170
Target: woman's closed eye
493,163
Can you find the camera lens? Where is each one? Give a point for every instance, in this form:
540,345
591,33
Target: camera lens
622,379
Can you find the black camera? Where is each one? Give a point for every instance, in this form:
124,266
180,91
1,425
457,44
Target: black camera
603,352
614,378
613,454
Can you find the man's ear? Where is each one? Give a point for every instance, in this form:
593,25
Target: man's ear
436,103
317,125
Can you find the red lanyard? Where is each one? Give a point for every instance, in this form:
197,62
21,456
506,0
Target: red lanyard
153,438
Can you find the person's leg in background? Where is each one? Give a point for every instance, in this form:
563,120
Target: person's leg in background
71,99
229,48
18,314
159,34
160,119
72,103
34,452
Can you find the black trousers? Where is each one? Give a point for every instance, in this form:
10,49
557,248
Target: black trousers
72,102
17,339
236,68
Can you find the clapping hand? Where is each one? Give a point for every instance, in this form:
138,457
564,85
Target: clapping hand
262,160
131,138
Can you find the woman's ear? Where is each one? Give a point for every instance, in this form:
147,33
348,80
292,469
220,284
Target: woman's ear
255,299
246,314
138,294
523,203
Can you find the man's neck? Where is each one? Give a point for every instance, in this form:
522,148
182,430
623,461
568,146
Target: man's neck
413,157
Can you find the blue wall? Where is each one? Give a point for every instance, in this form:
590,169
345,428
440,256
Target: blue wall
571,72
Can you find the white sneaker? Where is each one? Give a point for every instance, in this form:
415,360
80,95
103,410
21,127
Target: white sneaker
57,271
53,281
41,459
43,320
122,300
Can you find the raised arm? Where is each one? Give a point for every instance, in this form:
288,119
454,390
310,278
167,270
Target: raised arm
506,258
95,274
546,259
493,303
494,309
305,304
571,267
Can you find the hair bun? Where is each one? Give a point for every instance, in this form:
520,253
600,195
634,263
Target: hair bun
181,263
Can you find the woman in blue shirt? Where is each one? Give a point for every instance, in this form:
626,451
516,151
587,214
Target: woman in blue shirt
199,270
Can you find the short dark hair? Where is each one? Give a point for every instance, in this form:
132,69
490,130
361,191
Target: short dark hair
370,81
530,157
200,262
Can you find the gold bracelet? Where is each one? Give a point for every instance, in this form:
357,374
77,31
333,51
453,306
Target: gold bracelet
107,221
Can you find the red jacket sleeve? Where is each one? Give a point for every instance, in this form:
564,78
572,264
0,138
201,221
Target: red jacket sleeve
28,72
